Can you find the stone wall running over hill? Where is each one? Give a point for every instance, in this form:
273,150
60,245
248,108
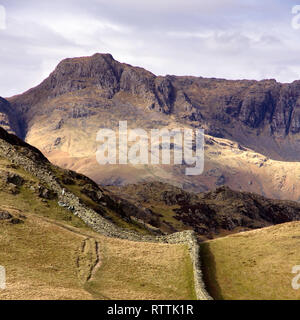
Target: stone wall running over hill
189,238
22,155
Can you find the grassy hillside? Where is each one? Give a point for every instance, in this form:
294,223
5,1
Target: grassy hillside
253,265
49,254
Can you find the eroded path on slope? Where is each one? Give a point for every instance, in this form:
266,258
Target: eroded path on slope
88,259
87,256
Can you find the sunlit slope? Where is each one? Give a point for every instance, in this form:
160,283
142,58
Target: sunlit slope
226,163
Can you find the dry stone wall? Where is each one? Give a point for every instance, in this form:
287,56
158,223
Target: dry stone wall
43,171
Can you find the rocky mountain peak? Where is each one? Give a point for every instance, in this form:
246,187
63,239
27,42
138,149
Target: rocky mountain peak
102,75
99,71
262,115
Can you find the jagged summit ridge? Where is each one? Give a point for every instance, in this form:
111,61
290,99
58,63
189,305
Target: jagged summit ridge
100,72
62,115
219,105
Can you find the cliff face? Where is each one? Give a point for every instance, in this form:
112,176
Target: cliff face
9,118
101,73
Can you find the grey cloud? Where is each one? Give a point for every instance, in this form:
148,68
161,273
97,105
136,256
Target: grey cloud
217,38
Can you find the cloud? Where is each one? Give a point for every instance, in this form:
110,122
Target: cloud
212,38
2,18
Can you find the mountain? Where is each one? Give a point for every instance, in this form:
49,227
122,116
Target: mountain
251,124
254,113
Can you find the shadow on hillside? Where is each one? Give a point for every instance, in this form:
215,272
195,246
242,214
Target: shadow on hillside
208,266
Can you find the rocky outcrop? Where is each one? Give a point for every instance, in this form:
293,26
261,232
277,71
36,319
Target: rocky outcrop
9,119
225,209
4,215
104,75
210,214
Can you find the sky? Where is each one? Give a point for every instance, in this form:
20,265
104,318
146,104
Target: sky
232,39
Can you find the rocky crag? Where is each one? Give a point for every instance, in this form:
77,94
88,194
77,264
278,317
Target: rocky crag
209,214
254,113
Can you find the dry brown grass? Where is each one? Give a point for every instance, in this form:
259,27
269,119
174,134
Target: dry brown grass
143,271
253,265
39,260
51,256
